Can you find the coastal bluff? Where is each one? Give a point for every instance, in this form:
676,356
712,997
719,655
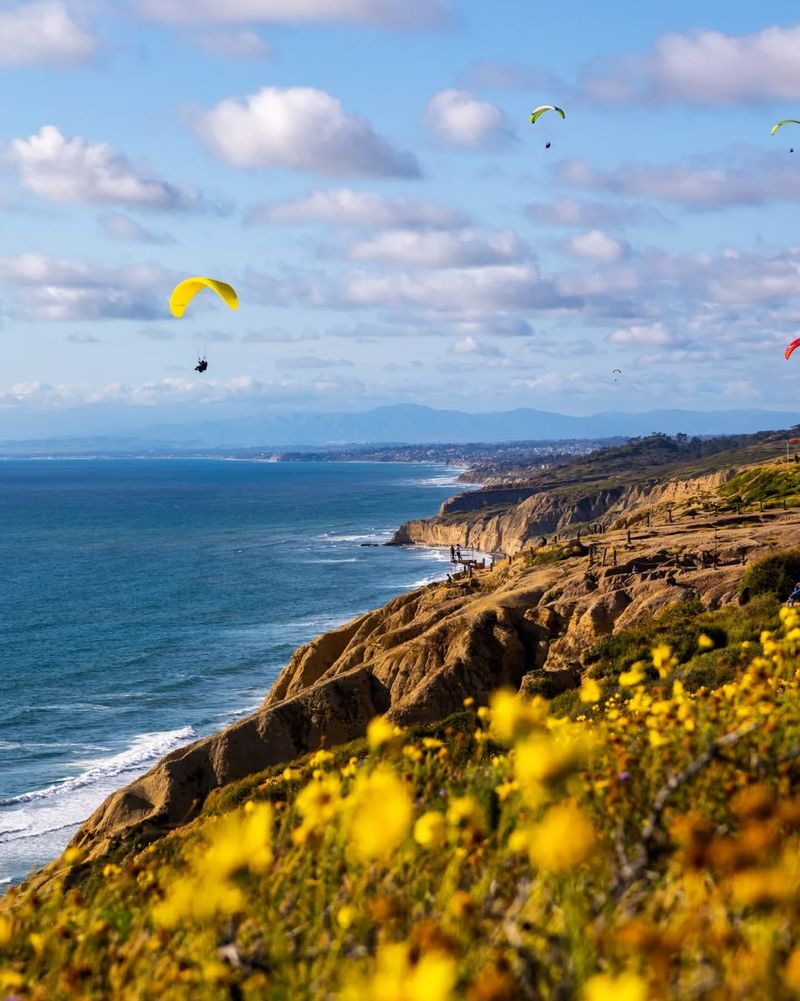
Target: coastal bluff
420,655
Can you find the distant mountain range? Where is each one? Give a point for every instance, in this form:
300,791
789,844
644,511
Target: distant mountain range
405,423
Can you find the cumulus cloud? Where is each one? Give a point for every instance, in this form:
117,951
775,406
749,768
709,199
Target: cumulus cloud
346,207
576,212
312,362
595,245
705,67
512,286
75,170
47,288
464,248
118,226
300,128
470,345
239,45
755,180
647,335
457,118
403,14
42,33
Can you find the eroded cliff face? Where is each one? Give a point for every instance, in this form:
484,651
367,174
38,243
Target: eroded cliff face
419,656
516,527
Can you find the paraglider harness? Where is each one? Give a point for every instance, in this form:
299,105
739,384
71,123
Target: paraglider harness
201,365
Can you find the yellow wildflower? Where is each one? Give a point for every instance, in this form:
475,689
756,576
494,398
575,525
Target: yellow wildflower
633,677
397,978
380,733
6,929
464,811
513,716
380,812
345,916
10,980
431,743
607,987
74,856
563,839
36,939
469,702
240,841
320,758
318,802
543,758
412,753
429,830
705,642
663,660
590,691
291,774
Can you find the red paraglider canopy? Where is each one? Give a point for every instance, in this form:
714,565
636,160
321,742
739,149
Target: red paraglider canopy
788,352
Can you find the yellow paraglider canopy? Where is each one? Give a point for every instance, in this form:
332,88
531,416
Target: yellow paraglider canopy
185,291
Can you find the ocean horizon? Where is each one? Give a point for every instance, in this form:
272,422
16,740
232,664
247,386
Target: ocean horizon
149,602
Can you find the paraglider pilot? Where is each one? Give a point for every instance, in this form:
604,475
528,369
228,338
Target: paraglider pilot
201,365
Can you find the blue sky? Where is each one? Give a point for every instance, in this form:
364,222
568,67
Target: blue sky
364,172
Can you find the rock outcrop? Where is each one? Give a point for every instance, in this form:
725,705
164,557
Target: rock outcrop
419,656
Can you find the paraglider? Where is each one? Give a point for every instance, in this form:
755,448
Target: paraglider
785,121
537,113
787,354
185,291
615,372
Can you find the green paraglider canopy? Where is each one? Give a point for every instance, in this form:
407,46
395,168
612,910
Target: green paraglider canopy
538,112
785,121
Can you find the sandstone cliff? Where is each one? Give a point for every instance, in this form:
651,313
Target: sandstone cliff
418,657
511,528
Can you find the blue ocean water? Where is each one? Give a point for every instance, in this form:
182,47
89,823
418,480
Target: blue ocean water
146,603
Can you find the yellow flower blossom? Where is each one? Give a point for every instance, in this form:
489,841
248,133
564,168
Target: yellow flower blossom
429,830
397,978
542,758
590,691
705,642
345,916
240,841
513,716
320,758
10,980
663,661
563,839
431,743
630,678
607,987
318,802
380,812
381,732
6,929
463,812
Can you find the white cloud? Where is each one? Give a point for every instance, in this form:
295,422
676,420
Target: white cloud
575,212
74,170
754,180
42,33
456,118
118,226
465,248
346,207
47,288
649,335
470,345
311,362
300,128
383,13
83,338
597,246
238,45
706,67
512,286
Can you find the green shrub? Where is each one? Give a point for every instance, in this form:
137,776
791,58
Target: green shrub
773,575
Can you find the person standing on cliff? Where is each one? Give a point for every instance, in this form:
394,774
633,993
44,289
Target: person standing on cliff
458,551
452,554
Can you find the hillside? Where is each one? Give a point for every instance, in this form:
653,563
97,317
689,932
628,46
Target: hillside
620,823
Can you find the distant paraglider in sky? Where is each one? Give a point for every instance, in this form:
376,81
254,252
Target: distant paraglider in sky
537,113
185,291
615,372
787,354
780,124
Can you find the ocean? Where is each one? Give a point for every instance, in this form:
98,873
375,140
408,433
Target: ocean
146,603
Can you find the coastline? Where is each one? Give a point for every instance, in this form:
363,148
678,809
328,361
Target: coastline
100,777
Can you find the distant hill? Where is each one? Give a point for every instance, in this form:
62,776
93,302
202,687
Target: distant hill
410,424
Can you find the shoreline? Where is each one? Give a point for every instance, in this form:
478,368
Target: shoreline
115,765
